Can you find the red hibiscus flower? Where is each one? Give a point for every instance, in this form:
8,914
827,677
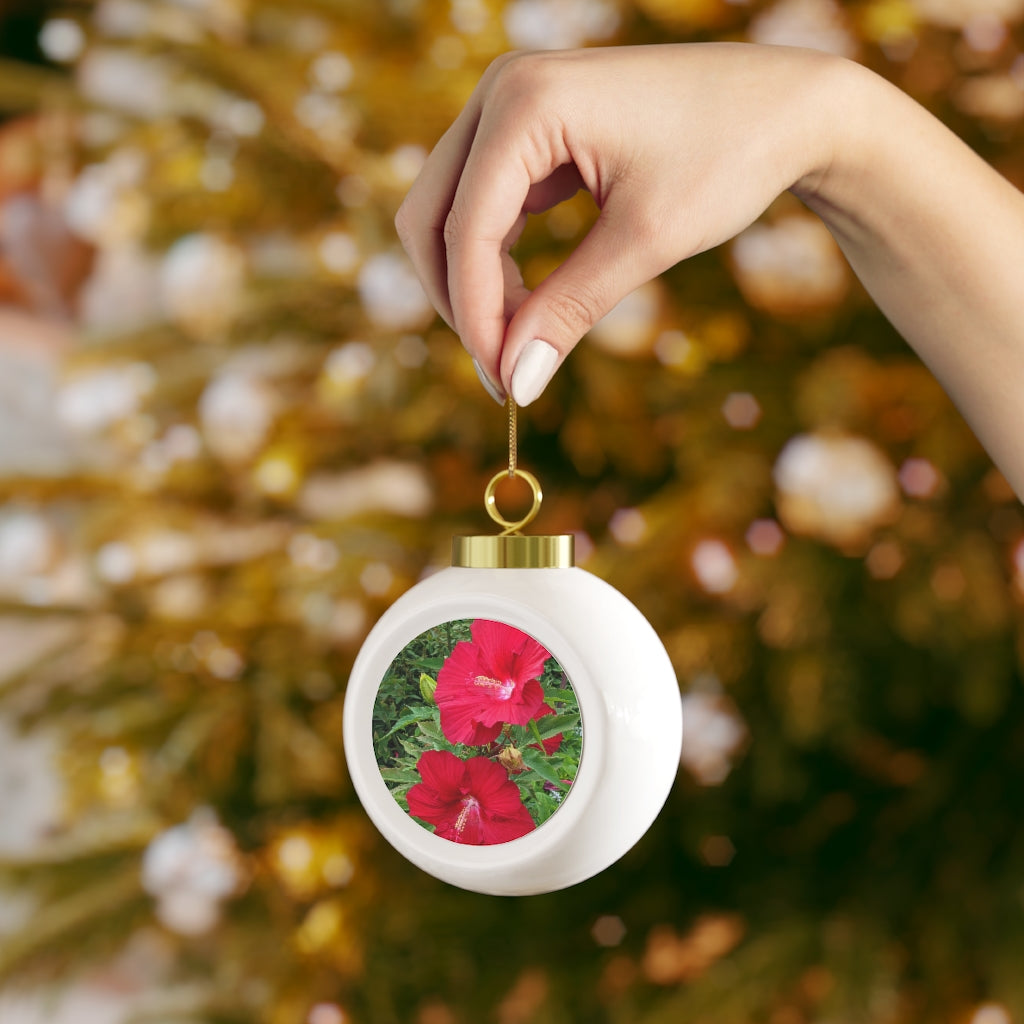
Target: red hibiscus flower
488,681
471,802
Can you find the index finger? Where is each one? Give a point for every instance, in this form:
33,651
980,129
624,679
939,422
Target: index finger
503,165
420,219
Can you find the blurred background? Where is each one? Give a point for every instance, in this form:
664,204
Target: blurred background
232,432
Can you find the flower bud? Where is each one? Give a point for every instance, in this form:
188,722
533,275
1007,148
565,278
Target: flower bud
427,687
511,759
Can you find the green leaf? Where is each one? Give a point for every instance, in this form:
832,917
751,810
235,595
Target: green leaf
400,775
432,731
535,759
416,715
410,747
433,664
518,735
558,695
552,725
535,731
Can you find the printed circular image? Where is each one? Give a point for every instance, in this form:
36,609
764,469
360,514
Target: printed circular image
477,732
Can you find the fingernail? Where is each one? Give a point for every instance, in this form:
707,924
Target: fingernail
534,369
489,386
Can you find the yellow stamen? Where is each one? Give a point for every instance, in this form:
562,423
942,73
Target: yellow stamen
469,804
504,689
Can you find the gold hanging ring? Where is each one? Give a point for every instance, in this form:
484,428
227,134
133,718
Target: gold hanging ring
491,503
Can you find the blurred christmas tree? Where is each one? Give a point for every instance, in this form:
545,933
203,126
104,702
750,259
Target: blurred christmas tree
263,436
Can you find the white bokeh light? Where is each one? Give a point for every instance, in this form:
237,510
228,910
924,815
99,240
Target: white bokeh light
835,487
714,566
392,295
62,40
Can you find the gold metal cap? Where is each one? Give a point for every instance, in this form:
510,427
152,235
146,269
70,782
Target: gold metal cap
510,549
513,551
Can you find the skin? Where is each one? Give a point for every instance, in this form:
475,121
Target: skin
682,147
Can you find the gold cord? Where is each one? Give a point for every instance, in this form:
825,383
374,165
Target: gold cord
510,549
513,440
490,501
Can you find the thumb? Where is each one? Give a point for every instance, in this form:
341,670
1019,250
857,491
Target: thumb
608,264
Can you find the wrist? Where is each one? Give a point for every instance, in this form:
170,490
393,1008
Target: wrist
877,183
844,105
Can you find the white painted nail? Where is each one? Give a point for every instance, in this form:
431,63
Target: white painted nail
534,369
489,386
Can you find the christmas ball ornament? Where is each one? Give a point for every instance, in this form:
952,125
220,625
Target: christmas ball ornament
512,723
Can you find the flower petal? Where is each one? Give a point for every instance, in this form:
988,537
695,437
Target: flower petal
464,825
490,784
504,830
426,803
531,699
459,668
460,724
508,652
443,772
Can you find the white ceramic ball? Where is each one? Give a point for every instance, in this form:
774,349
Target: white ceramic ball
629,705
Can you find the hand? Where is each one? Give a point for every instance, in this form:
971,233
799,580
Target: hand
681,147
684,146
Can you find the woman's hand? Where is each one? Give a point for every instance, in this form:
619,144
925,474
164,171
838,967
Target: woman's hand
680,146
684,146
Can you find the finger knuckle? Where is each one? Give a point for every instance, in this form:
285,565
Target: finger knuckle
405,226
500,62
513,68
514,72
522,83
577,311
454,227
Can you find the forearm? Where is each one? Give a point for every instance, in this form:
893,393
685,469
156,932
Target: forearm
937,238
